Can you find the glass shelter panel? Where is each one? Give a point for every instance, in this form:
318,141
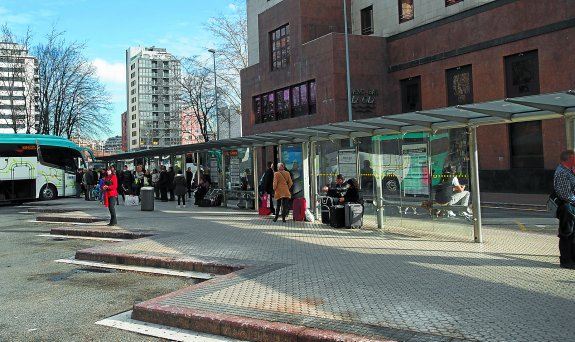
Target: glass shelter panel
238,175
408,171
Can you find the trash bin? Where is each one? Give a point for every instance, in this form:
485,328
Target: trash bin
147,197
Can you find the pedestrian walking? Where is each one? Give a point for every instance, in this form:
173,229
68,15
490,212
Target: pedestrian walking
111,194
180,188
564,186
281,186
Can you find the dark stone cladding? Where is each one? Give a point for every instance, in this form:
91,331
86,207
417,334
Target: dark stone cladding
486,45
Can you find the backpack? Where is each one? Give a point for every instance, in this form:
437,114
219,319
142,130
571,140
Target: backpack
443,192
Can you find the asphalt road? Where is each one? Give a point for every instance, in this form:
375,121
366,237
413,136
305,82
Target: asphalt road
47,301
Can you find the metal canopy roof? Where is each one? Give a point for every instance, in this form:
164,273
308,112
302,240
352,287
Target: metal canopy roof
527,108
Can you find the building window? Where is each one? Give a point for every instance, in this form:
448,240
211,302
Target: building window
410,94
459,86
367,21
285,103
299,99
280,49
526,138
522,74
451,2
405,10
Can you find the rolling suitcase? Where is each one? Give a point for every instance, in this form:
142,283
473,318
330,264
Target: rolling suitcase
325,214
299,209
353,215
337,216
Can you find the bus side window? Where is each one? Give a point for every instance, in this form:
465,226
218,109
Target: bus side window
60,157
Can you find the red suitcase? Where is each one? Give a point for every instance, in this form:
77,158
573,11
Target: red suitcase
299,206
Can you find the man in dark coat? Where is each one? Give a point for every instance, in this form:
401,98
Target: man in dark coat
79,178
268,184
171,175
163,184
125,181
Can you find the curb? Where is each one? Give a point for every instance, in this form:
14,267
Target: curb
182,264
239,327
53,210
71,219
100,233
515,205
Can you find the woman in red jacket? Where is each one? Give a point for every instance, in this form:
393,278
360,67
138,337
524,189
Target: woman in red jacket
111,194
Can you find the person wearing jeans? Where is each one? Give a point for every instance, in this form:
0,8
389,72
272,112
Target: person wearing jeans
282,184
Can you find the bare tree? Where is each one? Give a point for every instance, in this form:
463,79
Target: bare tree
197,94
231,33
17,81
71,100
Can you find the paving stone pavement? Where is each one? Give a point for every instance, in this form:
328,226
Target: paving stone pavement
408,284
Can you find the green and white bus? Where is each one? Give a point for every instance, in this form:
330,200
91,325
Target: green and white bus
39,166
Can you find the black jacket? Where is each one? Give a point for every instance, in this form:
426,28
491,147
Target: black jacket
164,180
269,181
352,195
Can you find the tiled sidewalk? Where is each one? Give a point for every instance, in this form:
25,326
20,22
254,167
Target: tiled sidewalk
366,282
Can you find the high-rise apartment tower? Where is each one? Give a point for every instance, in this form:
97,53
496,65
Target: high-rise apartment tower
154,113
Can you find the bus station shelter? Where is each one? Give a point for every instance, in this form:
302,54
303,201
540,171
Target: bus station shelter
397,159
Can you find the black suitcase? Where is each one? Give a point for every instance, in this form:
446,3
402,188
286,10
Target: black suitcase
337,216
353,215
325,214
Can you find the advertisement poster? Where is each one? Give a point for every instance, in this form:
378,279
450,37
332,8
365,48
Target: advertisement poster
292,158
347,162
416,180
235,170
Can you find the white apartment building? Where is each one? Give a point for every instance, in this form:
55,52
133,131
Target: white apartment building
154,113
18,85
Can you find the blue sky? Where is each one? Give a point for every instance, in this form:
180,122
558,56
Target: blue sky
109,27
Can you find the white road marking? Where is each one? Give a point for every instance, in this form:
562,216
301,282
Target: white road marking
124,321
83,237
141,269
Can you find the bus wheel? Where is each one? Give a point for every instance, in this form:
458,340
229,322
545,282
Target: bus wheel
391,185
48,192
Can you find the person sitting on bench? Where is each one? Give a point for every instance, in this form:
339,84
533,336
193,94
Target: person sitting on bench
336,189
451,192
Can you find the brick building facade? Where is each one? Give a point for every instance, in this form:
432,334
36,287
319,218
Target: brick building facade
415,55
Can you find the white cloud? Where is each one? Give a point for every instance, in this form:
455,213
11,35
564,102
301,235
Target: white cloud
233,7
110,72
9,18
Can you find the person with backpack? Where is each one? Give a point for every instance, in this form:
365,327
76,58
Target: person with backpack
564,186
282,185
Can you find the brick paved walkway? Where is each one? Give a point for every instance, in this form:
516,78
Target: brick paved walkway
396,284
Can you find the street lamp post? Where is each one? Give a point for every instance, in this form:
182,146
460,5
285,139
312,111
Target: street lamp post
213,52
